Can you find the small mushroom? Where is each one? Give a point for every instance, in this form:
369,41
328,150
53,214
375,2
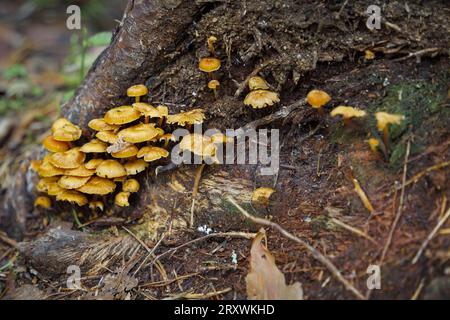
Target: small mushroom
137,91
348,113
211,41
373,144
163,113
369,55
127,152
121,115
121,199
43,202
94,146
101,125
147,110
81,171
317,99
68,132
131,185
110,169
46,169
60,123
135,166
53,145
209,65
384,119
152,153
257,83
98,186
198,144
259,99
72,197
166,138
69,159
213,84
139,133
94,205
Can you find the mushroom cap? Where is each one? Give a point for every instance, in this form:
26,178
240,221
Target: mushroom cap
167,137
146,109
127,152
262,195
46,169
96,205
53,145
137,90
373,143
163,111
101,125
369,55
69,159
98,185
221,138
43,202
72,197
107,136
81,171
72,182
93,164
59,123
121,199
131,185
257,83
68,132
209,64
122,115
35,164
94,146
213,84
44,183
317,98
384,119
139,133
259,99
195,116
152,153
348,112
198,144
110,169
135,166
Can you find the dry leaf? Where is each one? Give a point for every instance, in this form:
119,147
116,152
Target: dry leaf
265,281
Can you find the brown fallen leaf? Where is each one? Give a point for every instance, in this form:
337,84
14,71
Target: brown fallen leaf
265,281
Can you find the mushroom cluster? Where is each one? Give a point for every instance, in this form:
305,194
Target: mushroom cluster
88,172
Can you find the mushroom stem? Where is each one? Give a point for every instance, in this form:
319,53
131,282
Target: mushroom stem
215,93
166,143
321,111
386,136
146,119
198,176
160,122
138,99
346,121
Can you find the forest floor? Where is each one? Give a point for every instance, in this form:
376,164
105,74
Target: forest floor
156,255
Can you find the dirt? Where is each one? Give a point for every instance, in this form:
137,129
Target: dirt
311,46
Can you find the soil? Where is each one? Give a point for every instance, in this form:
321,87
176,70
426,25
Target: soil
309,46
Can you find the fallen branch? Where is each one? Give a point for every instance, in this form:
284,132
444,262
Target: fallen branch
430,236
316,254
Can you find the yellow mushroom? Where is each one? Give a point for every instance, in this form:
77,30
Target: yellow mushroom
137,91
69,159
121,115
135,166
43,202
93,164
72,182
94,146
211,41
107,136
110,169
139,133
317,99
348,113
98,186
131,185
68,132
101,125
384,119
152,153
121,199
257,83
195,116
53,145
213,84
94,205
127,152
209,65
72,197
259,99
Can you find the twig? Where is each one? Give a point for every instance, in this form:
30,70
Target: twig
416,177
353,229
149,254
418,290
430,236
417,54
316,254
8,240
400,205
137,239
362,195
